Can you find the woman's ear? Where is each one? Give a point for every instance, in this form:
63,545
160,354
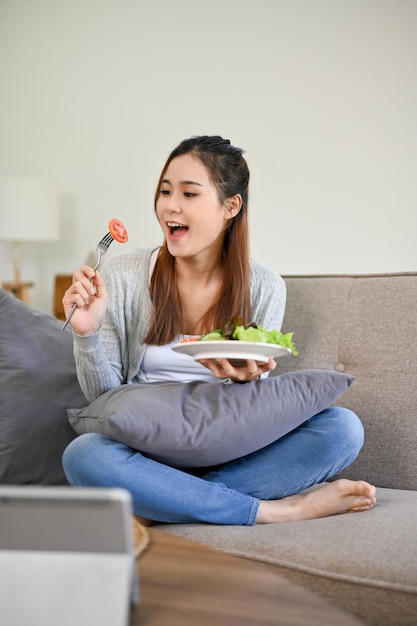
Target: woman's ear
233,205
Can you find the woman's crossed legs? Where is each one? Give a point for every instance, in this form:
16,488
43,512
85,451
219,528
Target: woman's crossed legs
262,487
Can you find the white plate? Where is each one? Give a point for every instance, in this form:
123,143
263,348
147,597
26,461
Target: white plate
233,350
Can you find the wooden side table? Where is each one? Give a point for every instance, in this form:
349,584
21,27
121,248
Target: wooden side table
62,282
19,290
183,583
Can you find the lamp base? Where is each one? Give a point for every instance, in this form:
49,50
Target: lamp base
19,290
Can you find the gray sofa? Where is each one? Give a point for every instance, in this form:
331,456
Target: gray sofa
364,562
362,325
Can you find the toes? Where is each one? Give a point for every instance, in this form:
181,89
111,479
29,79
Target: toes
364,505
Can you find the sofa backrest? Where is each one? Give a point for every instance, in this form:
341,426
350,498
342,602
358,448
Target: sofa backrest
365,325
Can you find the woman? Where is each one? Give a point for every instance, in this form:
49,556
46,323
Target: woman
144,301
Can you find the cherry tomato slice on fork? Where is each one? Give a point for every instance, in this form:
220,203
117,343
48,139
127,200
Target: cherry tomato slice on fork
118,231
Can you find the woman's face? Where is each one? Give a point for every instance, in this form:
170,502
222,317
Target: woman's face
189,209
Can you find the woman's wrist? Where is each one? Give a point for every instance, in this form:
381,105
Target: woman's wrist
87,334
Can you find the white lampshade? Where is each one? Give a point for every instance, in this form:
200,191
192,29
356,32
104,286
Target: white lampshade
28,209
28,212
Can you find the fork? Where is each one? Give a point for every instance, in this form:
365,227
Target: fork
101,249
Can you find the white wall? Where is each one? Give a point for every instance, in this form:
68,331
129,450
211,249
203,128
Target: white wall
322,94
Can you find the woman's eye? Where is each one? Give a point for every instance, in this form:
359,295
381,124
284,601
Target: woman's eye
164,192
189,194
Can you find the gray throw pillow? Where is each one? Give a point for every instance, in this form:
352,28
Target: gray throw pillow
200,424
38,383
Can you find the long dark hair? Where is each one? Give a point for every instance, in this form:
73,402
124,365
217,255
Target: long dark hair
229,172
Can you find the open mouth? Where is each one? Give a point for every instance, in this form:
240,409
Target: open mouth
175,230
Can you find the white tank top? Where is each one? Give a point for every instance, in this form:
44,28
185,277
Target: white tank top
161,364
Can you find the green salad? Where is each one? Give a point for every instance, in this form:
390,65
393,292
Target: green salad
236,329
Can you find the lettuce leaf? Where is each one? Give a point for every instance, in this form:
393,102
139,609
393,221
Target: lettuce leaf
261,335
237,330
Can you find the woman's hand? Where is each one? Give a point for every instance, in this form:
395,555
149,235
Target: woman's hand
245,371
89,294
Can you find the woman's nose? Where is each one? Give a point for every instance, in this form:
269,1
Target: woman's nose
173,202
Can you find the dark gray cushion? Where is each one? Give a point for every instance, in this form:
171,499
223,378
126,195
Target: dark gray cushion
37,384
202,423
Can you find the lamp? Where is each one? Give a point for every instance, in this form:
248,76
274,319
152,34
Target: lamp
28,212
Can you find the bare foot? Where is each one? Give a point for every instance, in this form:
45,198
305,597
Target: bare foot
340,496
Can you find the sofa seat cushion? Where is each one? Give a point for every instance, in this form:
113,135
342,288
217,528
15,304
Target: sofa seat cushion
376,549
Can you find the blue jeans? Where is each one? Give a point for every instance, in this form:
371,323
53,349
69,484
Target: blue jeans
227,494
